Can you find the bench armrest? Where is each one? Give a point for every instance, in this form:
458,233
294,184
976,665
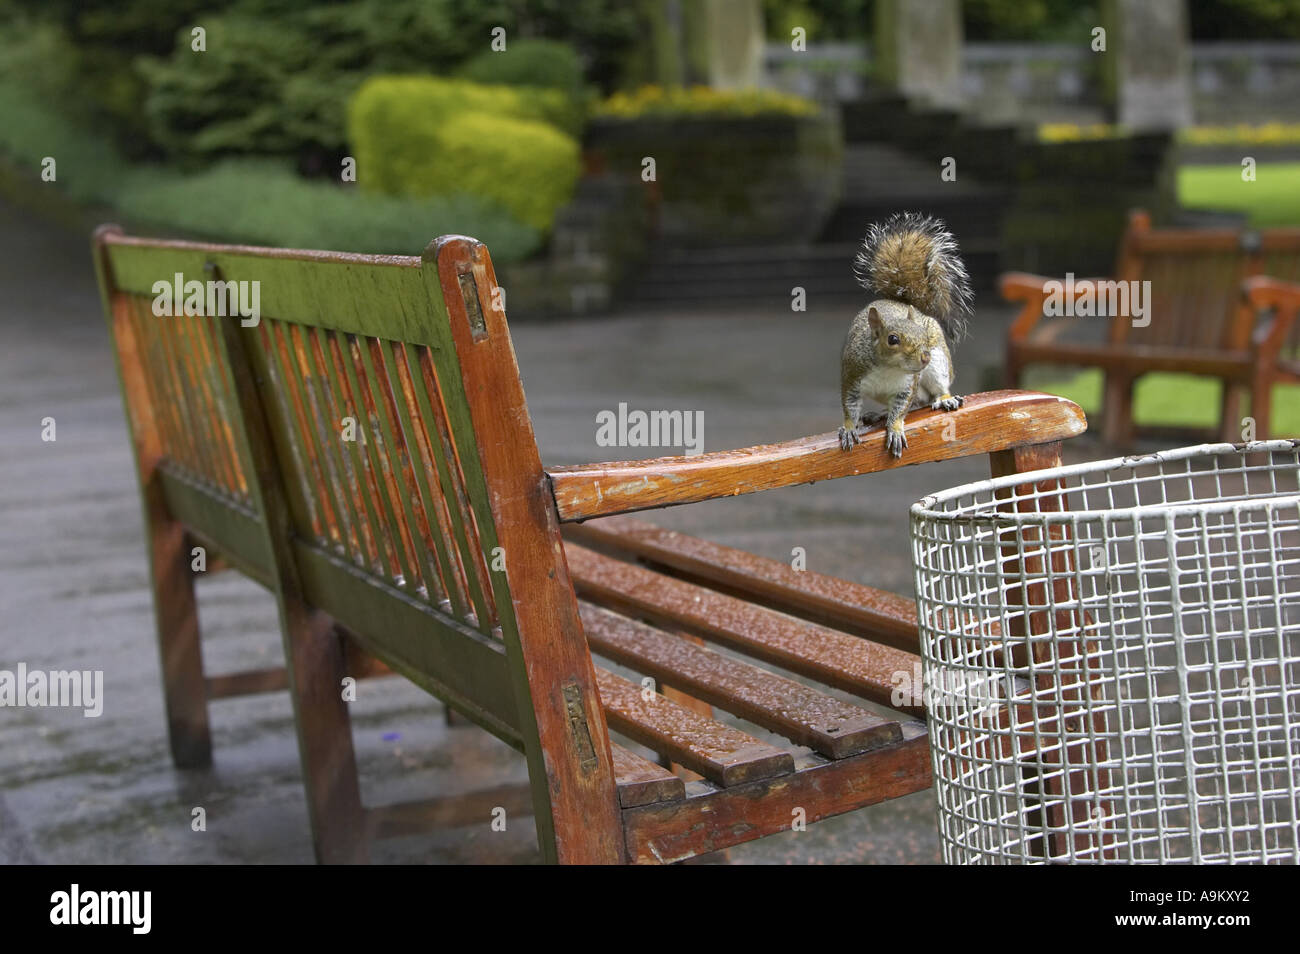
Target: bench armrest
1032,290
1284,299
993,421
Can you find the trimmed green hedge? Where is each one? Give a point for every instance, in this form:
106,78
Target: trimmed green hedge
422,136
265,203
546,63
247,200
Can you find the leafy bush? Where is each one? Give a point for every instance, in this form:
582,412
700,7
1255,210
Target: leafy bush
87,168
265,202
547,63
419,136
703,101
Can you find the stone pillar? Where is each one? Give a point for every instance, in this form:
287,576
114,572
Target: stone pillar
733,42
1148,63
918,49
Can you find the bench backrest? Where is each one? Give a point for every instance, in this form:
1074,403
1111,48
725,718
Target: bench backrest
367,446
1196,277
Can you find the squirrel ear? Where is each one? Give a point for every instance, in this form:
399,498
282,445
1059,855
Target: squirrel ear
873,320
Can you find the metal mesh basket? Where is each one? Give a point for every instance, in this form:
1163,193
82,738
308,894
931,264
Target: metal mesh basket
1112,659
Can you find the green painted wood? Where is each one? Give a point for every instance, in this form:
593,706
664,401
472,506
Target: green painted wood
230,527
308,288
313,651
279,415
446,657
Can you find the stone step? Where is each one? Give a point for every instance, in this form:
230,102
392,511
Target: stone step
769,275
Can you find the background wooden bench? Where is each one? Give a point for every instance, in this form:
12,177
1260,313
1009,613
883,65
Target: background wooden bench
1200,323
433,543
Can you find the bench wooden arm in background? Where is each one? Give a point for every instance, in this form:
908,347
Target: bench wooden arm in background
1284,299
986,423
1032,290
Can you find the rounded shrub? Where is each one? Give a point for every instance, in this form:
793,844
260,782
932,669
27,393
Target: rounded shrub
547,63
420,136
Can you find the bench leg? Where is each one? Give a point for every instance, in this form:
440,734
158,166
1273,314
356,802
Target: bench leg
316,660
1230,413
1066,777
177,620
1261,406
1117,410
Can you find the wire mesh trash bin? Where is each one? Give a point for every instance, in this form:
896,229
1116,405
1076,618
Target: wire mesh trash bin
1112,659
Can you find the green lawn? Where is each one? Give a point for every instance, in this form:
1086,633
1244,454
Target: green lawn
1272,199
1171,400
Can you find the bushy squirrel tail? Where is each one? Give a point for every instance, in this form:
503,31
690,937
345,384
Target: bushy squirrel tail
913,258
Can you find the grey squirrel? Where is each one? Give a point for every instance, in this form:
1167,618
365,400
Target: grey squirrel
895,352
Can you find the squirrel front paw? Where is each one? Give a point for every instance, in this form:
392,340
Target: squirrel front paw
946,402
895,440
848,437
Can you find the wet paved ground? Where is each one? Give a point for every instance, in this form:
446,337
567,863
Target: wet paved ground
73,590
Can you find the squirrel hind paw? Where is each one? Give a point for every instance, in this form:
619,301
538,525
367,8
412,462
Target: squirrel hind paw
848,437
946,403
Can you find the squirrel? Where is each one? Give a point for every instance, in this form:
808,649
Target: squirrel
895,352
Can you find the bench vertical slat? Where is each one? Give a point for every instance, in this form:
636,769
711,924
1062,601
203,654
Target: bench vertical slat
388,453
220,409
181,367
435,504
313,650
362,450
399,466
368,457
181,444
197,419
429,395
339,488
296,428
431,520
354,462
566,739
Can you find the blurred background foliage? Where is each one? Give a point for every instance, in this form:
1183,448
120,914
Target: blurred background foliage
1032,20
138,117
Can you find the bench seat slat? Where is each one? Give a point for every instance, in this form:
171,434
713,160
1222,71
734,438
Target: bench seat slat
641,782
837,659
716,751
802,714
852,607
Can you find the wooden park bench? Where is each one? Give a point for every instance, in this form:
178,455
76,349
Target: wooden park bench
1199,322
433,543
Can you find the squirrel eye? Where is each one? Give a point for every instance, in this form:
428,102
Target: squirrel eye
893,339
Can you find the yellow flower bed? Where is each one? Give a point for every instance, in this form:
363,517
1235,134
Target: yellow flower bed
702,101
1241,134
1072,132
